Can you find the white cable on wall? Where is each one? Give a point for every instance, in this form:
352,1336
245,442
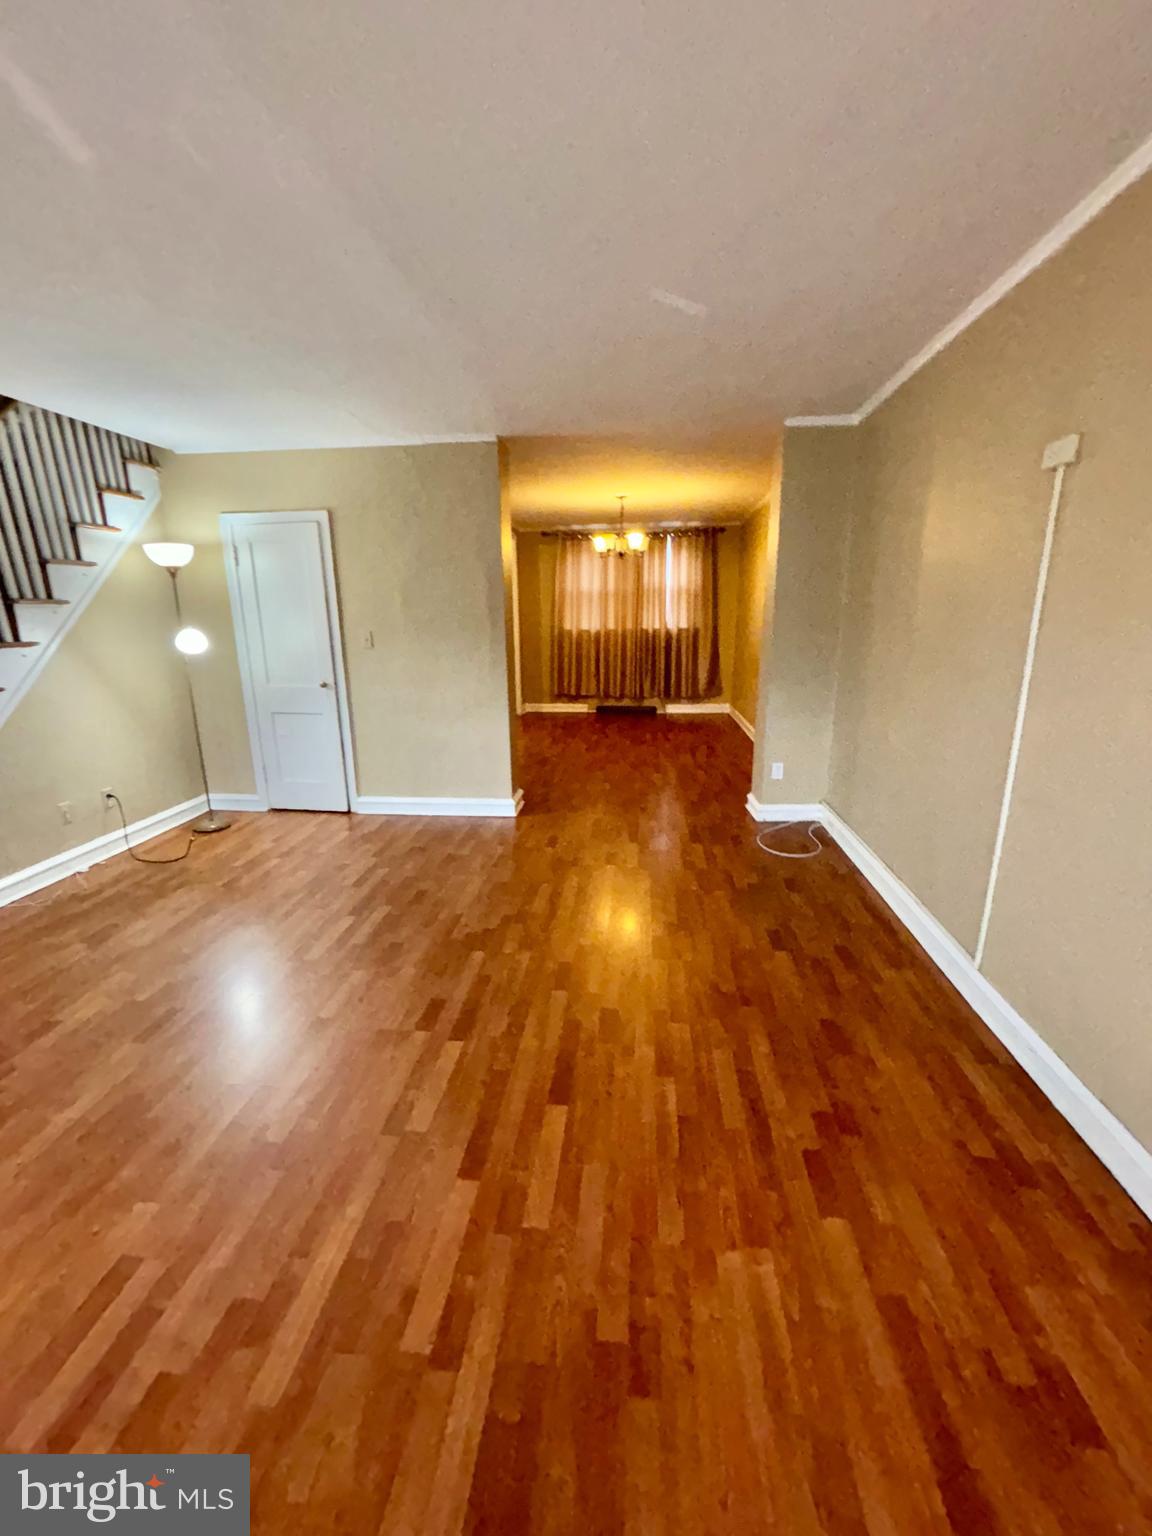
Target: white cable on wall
1057,456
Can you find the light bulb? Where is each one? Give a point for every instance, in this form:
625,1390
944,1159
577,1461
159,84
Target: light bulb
600,543
636,539
171,556
191,641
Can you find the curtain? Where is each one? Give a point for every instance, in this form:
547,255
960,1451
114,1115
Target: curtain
637,626
691,652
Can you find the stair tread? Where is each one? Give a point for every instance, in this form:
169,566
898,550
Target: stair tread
39,602
18,645
112,490
99,527
70,562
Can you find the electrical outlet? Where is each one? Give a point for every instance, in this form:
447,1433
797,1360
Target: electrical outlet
777,770
107,797
65,809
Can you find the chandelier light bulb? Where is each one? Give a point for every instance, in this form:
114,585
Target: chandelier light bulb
634,542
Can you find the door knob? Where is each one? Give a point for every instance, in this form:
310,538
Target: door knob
325,685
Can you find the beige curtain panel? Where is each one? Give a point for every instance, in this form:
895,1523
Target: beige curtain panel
637,626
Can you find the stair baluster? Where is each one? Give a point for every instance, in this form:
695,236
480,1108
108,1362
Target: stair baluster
52,470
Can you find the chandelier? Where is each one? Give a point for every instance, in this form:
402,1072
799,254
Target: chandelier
634,542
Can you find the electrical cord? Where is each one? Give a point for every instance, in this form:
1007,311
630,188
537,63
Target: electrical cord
778,853
139,857
80,877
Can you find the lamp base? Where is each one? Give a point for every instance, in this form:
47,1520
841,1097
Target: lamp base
213,822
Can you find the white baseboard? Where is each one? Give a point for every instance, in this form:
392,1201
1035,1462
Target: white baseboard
796,812
387,805
246,802
712,707
1129,1162
749,730
436,805
73,861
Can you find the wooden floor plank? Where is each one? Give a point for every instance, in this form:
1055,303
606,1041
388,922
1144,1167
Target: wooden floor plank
585,1173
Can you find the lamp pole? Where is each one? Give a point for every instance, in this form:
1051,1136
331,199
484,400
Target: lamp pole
213,821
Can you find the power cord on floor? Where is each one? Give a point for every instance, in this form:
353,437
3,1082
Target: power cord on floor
80,876
139,857
782,826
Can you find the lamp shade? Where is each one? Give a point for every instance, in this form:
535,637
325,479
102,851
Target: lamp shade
170,556
191,641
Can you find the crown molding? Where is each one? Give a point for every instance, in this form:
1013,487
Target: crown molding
412,441
1129,171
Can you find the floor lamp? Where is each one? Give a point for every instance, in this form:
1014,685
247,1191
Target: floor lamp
189,642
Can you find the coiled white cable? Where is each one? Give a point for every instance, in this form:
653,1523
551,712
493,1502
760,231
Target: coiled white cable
782,826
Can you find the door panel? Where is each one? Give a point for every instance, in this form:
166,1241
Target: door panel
283,595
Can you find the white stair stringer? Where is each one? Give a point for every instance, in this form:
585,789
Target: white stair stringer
73,586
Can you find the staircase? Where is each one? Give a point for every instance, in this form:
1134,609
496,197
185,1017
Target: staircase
71,498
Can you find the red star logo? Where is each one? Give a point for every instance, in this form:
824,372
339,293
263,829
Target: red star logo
154,1482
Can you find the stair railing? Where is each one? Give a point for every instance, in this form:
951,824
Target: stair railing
52,472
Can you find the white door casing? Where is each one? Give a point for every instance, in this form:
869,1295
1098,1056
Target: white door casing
288,641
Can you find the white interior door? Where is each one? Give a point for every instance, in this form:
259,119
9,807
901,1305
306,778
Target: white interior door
286,630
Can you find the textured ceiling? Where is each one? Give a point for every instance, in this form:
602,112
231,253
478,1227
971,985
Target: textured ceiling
287,224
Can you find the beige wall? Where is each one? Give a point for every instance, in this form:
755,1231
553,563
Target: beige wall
952,506
807,553
416,537
508,592
536,572
728,559
756,556
109,709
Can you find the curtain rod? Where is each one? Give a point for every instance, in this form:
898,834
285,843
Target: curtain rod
556,533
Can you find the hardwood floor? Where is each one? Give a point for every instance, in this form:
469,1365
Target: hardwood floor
588,1173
